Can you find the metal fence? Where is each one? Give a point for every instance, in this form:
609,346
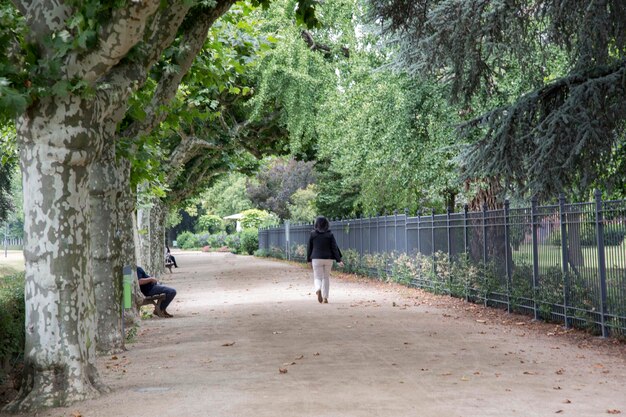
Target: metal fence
562,262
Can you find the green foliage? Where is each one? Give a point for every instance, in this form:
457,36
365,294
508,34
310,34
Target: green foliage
227,196
275,184
254,218
274,252
303,208
210,223
187,240
249,241
9,173
614,235
11,316
233,242
545,82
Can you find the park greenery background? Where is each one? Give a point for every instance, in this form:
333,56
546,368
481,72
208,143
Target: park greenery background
346,108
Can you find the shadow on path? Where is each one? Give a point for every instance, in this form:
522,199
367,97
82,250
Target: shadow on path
374,350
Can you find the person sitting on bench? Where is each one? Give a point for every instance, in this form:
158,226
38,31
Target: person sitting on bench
149,287
169,258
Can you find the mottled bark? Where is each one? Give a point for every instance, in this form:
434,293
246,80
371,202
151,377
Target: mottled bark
104,194
157,236
128,237
143,230
57,145
151,227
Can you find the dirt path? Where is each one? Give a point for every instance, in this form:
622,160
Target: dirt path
374,350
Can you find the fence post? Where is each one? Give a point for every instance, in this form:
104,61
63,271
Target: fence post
484,222
419,217
432,245
564,258
465,248
535,226
369,236
448,211
601,261
377,234
484,268
287,245
406,233
508,255
465,228
395,230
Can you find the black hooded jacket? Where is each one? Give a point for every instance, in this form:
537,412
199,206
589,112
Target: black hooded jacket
322,246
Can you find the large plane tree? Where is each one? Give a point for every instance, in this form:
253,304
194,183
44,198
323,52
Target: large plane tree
67,75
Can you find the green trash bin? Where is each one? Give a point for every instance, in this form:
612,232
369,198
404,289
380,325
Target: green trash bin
128,285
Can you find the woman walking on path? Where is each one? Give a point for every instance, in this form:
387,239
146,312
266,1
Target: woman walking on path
322,250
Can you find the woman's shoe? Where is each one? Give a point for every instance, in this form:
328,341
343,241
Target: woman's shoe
319,295
325,300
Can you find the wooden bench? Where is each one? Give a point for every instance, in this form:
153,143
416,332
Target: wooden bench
169,263
155,300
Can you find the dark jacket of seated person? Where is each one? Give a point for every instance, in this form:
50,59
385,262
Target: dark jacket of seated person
149,286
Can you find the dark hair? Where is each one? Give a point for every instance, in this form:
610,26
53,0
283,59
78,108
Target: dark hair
321,224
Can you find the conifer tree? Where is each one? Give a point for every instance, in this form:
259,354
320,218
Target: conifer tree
567,127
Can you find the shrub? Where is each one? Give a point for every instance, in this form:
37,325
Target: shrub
233,242
210,223
187,240
217,241
249,241
11,317
253,219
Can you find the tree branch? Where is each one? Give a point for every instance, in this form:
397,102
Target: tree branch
192,41
124,30
325,49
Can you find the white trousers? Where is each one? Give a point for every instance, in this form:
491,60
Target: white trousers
321,275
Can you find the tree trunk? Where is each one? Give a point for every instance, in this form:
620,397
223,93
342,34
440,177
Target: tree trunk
143,229
151,225
107,268
57,146
157,236
128,235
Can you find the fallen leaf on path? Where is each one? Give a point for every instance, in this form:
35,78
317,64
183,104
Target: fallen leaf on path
300,357
114,358
316,354
557,388
282,370
613,412
288,363
567,402
560,371
228,344
76,414
530,373
481,321
558,412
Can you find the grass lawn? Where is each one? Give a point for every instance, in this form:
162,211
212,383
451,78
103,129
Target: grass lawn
550,255
12,263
